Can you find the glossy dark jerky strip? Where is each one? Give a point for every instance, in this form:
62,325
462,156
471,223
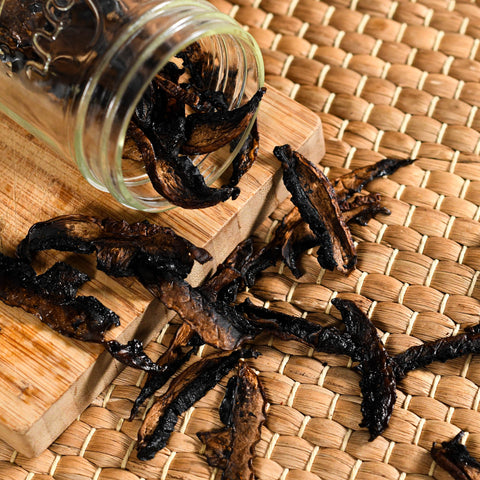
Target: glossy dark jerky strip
454,457
181,183
364,213
168,364
288,327
217,323
186,389
119,246
229,277
246,157
223,287
200,101
207,132
51,297
353,182
232,448
315,198
294,236
132,355
378,383
440,350
274,250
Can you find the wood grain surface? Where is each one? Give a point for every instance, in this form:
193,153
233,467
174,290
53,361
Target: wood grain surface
46,380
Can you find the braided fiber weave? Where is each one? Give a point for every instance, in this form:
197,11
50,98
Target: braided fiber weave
387,78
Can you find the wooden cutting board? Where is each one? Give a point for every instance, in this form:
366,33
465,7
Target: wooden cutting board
46,380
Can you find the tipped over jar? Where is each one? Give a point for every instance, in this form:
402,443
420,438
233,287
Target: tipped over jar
108,82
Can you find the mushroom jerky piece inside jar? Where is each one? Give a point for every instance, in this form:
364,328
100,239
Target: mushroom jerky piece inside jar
102,82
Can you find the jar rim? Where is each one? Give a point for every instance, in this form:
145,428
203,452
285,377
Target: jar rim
213,24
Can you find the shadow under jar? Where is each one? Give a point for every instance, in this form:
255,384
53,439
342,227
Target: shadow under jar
72,72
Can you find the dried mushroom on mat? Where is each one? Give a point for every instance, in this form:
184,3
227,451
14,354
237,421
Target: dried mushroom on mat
243,412
314,196
454,457
161,261
187,388
378,382
335,204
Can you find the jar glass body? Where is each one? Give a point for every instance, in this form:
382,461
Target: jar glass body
73,71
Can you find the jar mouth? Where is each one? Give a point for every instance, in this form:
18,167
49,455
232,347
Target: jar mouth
227,44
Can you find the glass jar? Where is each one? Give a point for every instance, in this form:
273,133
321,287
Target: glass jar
73,71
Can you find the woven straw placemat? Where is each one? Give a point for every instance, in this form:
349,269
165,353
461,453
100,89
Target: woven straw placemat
387,78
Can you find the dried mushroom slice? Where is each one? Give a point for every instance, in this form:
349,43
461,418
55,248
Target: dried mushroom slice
378,384
217,323
440,350
315,198
51,297
288,327
229,277
178,180
294,236
186,389
132,355
220,287
119,246
232,448
207,132
353,182
168,364
454,457
281,246
199,101
246,157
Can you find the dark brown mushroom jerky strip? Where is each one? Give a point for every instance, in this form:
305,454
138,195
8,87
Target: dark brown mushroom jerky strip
219,324
232,448
132,355
222,286
378,383
51,297
354,181
199,101
117,244
180,182
288,327
186,389
315,198
440,350
246,157
273,250
229,276
198,63
207,132
168,363
365,209
454,457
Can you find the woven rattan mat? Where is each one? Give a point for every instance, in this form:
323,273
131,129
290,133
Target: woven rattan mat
387,78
